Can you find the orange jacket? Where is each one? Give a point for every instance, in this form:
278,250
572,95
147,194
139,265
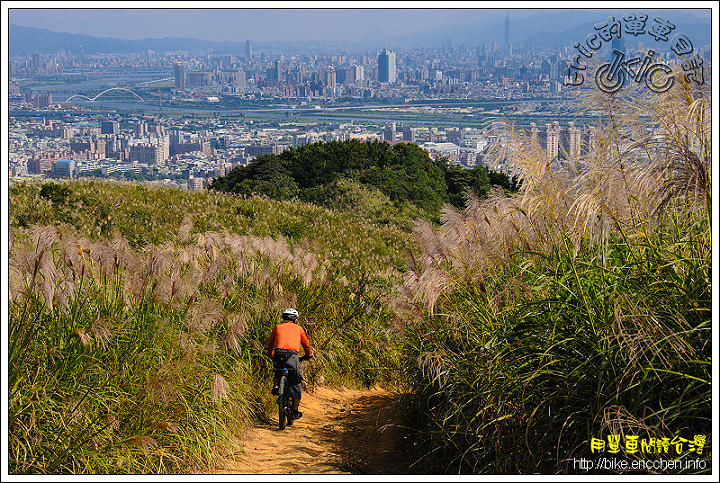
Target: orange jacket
288,335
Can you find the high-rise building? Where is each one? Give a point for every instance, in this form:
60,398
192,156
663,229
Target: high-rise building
241,79
248,51
140,129
39,166
359,72
386,66
63,168
330,77
389,132
454,135
43,101
554,72
409,134
507,31
109,127
589,135
553,140
618,44
179,72
196,183
574,141
534,132
147,153
199,79
346,75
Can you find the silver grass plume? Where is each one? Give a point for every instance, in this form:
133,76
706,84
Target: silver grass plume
146,443
44,238
219,388
432,367
185,229
204,315
236,331
163,388
433,282
101,330
82,336
168,426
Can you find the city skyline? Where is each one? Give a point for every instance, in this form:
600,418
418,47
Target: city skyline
272,84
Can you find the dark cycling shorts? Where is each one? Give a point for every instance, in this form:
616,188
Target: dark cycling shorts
289,358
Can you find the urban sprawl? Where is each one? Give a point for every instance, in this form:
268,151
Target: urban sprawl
182,119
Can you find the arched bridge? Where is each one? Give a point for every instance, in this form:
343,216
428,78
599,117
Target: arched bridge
92,99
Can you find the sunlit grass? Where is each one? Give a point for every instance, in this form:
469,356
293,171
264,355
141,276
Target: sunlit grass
577,309
138,319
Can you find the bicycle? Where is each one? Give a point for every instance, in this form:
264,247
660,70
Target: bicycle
611,77
285,409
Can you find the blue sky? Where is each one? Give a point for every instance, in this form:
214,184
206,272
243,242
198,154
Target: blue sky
263,21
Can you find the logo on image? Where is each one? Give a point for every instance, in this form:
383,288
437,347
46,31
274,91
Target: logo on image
646,67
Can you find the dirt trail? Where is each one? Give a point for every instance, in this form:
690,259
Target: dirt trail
342,431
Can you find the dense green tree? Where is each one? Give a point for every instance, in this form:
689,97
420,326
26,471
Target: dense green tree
56,193
461,180
503,180
403,172
265,175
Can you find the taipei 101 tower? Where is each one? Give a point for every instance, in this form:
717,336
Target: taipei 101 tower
248,51
507,33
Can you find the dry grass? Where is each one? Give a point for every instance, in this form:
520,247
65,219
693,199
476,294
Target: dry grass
58,263
630,174
236,332
145,443
169,316
578,307
168,426
220,389
203,315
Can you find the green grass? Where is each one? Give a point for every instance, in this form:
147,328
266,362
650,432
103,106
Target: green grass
524,387
139,318
521,328
577,310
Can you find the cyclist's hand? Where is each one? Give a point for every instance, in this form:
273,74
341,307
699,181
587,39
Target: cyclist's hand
306,357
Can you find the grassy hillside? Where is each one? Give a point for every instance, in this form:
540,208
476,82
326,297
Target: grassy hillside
525,328
578,311
138,318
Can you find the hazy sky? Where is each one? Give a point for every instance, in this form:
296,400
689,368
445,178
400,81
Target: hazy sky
264,21
261,24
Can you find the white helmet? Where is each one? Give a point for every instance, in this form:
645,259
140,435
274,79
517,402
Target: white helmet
290,314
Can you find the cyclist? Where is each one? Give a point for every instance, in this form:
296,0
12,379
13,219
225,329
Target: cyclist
283,347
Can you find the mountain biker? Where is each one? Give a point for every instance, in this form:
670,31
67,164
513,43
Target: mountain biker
283,346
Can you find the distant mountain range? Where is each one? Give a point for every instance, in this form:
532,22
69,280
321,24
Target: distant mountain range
28,40
546,28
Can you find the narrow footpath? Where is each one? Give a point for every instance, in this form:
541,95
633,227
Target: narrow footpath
342,431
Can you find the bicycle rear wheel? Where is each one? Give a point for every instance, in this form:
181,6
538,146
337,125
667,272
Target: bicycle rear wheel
282,402
289,412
